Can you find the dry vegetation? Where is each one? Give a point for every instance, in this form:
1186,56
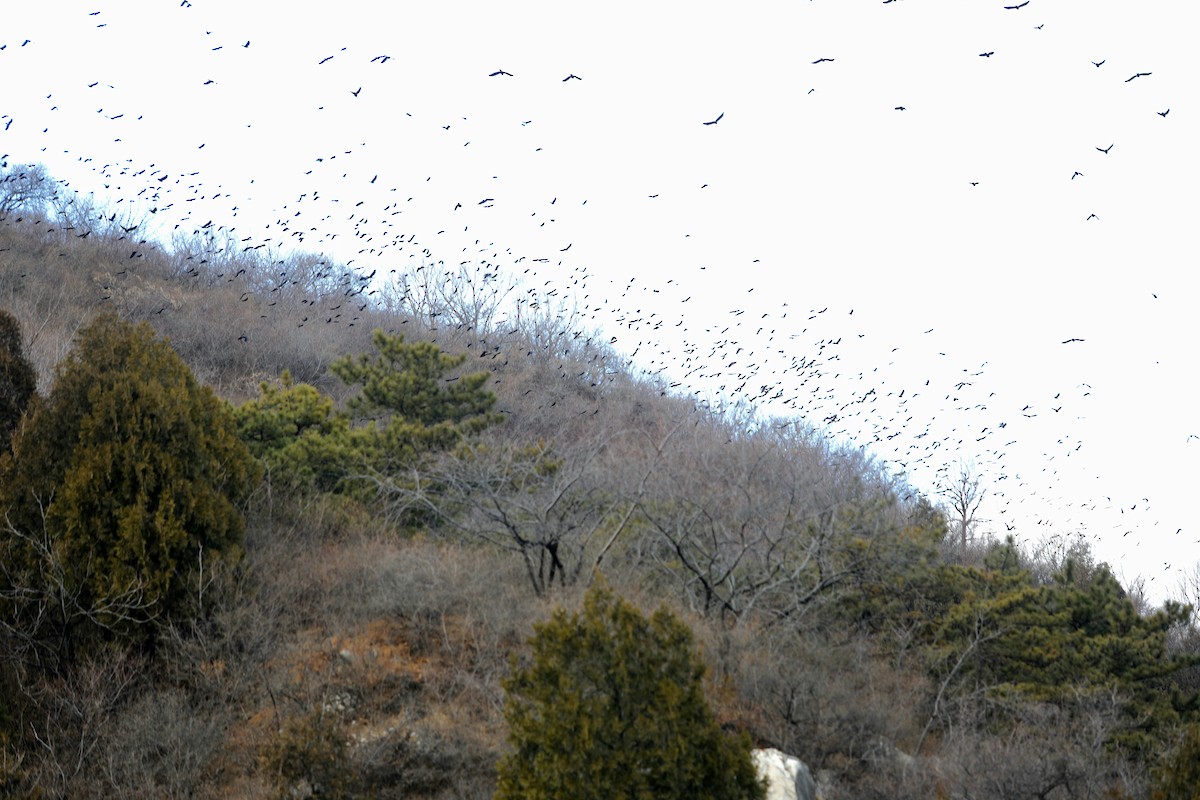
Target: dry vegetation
357,655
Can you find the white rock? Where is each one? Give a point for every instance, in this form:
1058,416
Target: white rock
787,777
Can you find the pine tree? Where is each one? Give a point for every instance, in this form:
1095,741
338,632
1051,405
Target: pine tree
298,437
612,706
417,409
121,498
1178,776
18,381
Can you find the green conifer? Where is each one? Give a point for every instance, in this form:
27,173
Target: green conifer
121,498
612,707
18,381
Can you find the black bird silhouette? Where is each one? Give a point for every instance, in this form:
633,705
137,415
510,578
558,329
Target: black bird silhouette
1105,149
499,72
356,91
1091,216
1098,63
899,108
1137,75
988,54
822,60
715,121
572,77
1163,113
1018,5
1068,341
1077,174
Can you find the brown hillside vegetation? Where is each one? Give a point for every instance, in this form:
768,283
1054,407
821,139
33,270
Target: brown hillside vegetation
359,645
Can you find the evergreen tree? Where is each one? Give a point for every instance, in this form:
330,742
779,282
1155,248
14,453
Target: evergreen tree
1178,776
121,499
612,707
298,437
415,407
407,409
18,381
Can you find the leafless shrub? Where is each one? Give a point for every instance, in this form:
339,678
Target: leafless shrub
69,720
1040,751
159,745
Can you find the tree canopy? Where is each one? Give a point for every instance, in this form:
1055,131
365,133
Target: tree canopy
122,496
612,706
18,381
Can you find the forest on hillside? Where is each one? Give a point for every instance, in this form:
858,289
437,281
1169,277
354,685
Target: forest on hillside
275,528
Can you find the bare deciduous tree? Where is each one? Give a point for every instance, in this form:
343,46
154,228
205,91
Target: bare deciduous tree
561,511
761,521
27,188
465,299
964,495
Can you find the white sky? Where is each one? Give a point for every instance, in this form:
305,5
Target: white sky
819,195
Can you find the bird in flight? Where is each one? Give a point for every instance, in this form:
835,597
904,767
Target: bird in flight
715,121
572,77
1105,149
356,91
1137,75
1077,174
899,108
499,72
822,60
988,54
1101,61
1163,113
974,183
1068,341
1018,5
1091,216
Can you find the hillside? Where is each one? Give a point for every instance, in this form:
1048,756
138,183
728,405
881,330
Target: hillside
368,626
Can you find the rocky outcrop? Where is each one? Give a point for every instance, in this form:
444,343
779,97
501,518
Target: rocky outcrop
787,777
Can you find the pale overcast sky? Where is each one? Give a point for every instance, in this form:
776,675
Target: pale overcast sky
907,166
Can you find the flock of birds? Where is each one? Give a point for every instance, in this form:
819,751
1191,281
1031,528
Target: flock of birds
821,363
